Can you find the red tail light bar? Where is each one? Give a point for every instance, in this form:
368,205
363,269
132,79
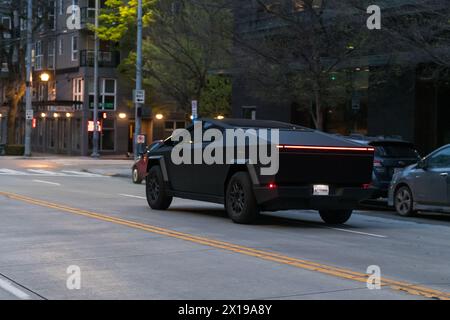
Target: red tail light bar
326,148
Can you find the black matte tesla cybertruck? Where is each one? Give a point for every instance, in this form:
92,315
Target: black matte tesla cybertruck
316,171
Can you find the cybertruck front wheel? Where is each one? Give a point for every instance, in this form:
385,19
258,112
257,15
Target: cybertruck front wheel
335,216
156,192
240,202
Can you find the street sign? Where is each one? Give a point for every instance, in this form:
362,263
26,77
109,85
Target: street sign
29,115
194,109
140,139
139,96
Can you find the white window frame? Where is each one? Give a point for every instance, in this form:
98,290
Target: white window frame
104,94
38,55
78,89
74,52
7,34
52,14
51,54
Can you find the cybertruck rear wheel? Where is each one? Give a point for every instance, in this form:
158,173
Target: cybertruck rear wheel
335,216
240,202
156,192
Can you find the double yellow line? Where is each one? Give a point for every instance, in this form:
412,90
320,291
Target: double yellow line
265,255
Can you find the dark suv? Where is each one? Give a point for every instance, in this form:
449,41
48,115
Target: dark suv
391,155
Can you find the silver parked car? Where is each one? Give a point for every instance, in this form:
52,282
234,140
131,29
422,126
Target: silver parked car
424,186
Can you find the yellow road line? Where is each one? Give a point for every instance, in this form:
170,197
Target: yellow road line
265,255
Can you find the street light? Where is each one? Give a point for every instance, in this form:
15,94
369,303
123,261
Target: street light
122,115
159,116
220,117
44,77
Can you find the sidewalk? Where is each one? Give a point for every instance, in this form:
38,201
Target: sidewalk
113,166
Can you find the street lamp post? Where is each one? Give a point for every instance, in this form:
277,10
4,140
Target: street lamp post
138,106
95,135
28,83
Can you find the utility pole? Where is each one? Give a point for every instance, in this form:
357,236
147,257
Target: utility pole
138,106
28,81
95,137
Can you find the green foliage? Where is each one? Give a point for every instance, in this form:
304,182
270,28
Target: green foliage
182,50
183,43
216,97
118,18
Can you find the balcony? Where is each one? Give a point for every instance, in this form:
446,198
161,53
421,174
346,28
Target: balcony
106,59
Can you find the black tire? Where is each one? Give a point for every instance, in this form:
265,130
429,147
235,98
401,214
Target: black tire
404,202
135,176
155,190
335,216
240,202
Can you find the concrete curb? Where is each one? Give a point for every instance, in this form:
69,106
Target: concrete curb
121,173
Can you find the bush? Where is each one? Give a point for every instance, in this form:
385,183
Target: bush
15,150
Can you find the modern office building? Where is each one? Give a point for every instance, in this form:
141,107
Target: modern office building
411,105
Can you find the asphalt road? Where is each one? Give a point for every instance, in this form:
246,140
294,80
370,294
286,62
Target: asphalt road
57,218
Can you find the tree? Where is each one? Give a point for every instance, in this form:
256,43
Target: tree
187,44
117,21
423,27
12,54
304,56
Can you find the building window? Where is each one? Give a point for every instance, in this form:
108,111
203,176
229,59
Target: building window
51,55
51,90
249,112
74,48
6,23
60,46
107,94
41,87
107,137
77,89
52,15
38,55
23,24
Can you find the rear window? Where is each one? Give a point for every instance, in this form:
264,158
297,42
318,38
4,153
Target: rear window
396,151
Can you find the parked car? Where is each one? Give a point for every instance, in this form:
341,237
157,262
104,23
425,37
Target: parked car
316,171
424,186
391,155
139,169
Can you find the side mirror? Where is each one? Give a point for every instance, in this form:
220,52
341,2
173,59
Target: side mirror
422,164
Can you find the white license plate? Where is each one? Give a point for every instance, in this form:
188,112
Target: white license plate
321,190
